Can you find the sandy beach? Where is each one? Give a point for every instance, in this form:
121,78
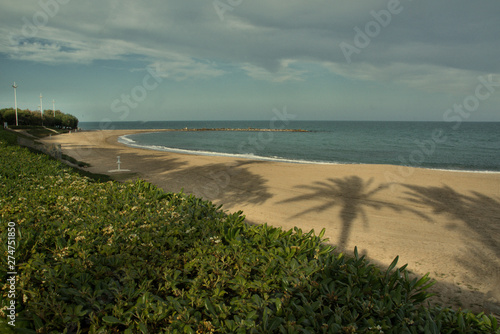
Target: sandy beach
439,222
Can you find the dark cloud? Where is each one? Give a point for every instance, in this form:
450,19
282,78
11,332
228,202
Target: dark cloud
449,34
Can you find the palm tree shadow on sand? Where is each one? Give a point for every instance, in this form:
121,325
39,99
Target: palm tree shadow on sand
230,184
352,194
481,215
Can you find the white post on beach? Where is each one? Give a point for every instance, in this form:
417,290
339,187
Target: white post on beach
119,167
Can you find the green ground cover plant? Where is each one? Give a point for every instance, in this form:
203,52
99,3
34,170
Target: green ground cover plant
108,257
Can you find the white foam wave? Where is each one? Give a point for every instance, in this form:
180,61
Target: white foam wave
129,142
126,140
466,171
251,156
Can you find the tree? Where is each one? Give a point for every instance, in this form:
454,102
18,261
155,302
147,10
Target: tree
9,116
33,118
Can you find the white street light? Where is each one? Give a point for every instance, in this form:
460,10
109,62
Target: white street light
41,108
15,102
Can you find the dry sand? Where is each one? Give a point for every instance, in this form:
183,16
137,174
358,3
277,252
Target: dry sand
439,222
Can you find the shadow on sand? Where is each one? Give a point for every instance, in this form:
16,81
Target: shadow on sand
106,158
231,184
481,215
352,195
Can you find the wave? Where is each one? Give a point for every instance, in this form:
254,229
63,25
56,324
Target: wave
464,170
129,142
126,140
132,143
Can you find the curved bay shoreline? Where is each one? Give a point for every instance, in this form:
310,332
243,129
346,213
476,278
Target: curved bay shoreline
439,222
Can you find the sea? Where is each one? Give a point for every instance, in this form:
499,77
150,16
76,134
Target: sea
467,146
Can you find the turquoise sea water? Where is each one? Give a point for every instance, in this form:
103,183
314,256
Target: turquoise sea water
439,145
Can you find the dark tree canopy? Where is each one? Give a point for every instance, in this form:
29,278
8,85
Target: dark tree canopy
28,117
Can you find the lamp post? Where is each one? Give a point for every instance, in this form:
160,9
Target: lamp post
15,102
41,108
54,107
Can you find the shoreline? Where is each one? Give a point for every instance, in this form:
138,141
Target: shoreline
186,129
130,143
250,129
443,223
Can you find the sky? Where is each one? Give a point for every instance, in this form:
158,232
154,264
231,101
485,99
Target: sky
132,60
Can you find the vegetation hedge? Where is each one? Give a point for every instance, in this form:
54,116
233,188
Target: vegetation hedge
28,118
106,257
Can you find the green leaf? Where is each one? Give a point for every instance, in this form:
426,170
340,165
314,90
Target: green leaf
188,329
79,312
460,322
210,307
143,328
392,265
38,322
112,320
322,233
277,301
494,323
